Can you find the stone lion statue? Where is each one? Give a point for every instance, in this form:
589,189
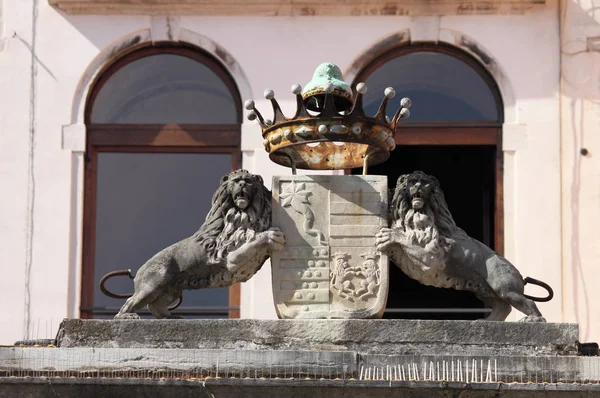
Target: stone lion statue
427,245
230,247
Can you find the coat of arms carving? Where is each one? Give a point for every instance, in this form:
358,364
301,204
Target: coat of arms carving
329,267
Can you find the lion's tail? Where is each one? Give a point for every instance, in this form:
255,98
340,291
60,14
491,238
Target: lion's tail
542,284
124,296
113,274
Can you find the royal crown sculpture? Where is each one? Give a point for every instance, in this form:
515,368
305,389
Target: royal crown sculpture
338,134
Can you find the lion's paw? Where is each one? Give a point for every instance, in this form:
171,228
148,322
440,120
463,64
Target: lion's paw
275,238
532,318
385,238
127,315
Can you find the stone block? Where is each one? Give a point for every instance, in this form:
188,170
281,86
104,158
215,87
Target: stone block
385,336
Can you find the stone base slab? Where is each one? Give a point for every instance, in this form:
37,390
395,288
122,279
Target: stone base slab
228,388
382,336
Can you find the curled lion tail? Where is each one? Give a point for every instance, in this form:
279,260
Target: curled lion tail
111,275
542,284
124,296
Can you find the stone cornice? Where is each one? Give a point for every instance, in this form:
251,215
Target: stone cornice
297,7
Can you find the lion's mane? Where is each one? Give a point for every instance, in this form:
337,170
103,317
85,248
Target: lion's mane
227,227
434,227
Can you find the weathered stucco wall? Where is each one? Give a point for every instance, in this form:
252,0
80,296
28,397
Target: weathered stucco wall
15,84
44,58
1,19
580,139
47,66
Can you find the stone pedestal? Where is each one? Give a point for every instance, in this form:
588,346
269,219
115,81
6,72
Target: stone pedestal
302,358
389,336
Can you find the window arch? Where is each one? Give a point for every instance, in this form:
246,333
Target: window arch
454,133
163,125
435,75
165,86
436,78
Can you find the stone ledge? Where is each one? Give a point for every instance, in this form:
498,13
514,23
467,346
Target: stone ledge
191,363
391,337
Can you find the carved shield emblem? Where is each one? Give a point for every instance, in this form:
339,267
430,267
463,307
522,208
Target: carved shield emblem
329,267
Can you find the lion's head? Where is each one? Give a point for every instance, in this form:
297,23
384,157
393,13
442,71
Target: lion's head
419,208
241,207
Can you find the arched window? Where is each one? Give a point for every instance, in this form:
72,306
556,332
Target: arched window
445,88
455,133
163,126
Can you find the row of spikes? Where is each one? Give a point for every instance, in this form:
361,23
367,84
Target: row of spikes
329,109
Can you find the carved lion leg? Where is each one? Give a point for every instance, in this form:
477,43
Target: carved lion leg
127,311
137,302
346,287
160,308
500,309
364,289
524,305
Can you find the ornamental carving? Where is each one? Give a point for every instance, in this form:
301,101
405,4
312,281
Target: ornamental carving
329,267
355,282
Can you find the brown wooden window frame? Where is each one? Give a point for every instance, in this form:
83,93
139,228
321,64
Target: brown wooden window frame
453,132
151,138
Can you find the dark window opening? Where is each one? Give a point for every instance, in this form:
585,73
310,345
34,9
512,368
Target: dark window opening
466,175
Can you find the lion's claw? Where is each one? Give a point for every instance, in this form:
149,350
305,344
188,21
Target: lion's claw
532,318
275,238
127,315
385,238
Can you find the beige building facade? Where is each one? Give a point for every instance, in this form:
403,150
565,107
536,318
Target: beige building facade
539,59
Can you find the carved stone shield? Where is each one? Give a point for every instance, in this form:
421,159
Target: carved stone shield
329,267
